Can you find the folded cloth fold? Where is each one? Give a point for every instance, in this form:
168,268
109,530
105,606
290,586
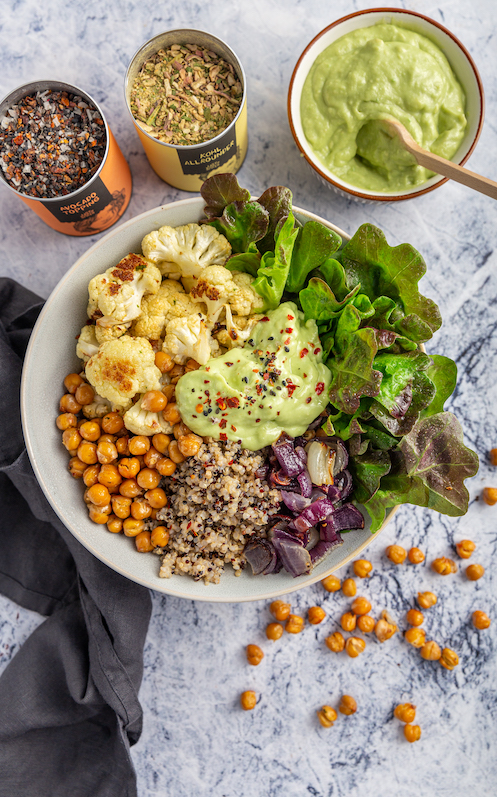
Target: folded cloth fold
69,707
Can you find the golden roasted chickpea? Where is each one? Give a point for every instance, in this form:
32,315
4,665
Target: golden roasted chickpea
360,606
449,659
87,452
122,445
189,444
431,651
140,509
335,642
385,628
72,382
76,467
274,631
474,572
90,430
84,394
362,568
465,548
426,599
142,542
148,478
405,712
280,610
110,476
354,646
160,442
294,624
151,458
71,439
68,403
412,732
254,654
416,556
347,705
366,623
130,488
99,514
114,524
248,700
415,617
489,494
396,553
327,716
106,452
493,456
415,636
112,423
165,466
171,413
349,588
174,452
159,537
90,476
98,494
154,401
348,621
156,497
139,445
163,361
316,615
132,526
66,420
444,566
331,583
121,506
481,620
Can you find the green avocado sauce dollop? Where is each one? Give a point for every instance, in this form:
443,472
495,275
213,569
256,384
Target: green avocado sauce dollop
276,383
375,73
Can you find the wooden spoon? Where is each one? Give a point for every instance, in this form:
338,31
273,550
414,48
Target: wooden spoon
440,165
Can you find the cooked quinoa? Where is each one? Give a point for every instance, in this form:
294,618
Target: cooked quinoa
216,504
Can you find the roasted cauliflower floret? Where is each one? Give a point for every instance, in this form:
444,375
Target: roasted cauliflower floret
103,334
238,329
169,302
189,248
214,288
189,337
123,367
140,421
87,344
245,300
116,295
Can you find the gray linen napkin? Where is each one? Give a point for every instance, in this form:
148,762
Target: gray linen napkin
69,707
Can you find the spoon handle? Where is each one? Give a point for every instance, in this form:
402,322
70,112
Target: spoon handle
442,166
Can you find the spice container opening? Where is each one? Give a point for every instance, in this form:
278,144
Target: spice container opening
186,94
59,156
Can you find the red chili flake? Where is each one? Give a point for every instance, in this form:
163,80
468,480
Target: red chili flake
229,365
258,389
233,428
291,388
308,400
233,401
288,330
304,352
316,351
223,436
287,341
222,423
221,403
305,376
265,318
290,317
206,382
257,420
319,388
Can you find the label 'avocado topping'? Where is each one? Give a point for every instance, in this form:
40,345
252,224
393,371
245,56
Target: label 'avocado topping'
276,382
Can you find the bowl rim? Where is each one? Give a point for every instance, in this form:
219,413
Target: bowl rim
351,190
159,585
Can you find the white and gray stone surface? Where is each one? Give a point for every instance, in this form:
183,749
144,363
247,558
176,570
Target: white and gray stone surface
196,740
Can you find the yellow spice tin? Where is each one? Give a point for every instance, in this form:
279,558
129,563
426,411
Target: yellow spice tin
187,166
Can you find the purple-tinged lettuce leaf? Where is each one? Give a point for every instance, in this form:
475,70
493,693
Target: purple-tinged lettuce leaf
245,261
367,470
394,272
399,372
434,462
221,190
278,203
242,223
422,394
314,245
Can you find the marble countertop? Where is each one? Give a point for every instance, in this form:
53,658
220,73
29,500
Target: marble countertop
196,739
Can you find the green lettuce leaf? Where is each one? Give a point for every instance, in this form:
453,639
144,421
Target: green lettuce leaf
314,245
273,271
394,272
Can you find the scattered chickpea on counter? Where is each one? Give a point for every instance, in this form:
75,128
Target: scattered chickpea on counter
362,568
348,705
465,548
474,572
405,712
444,566
327,716
331,583
396,553
255,654
489,495
481,620
248,700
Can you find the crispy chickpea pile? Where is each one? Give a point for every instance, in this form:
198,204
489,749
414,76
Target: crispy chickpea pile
122,471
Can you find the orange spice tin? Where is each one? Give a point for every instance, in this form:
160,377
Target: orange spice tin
98,203
187,166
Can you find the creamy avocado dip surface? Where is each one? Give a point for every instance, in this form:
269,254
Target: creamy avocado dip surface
371,74
276,382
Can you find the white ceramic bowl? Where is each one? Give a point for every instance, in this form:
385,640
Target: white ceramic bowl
51,356
455,52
